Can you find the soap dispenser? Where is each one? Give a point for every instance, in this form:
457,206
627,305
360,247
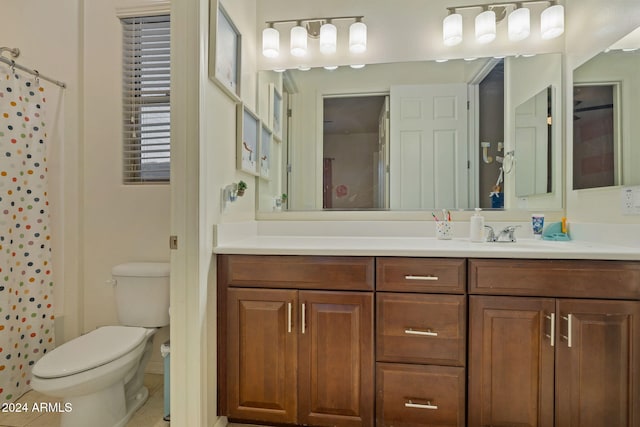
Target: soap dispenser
476,229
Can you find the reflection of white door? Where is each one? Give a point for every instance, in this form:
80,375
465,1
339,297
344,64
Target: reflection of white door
531,146
429,154
382,175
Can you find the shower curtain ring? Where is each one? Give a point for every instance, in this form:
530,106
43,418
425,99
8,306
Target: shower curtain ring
37,74
13,66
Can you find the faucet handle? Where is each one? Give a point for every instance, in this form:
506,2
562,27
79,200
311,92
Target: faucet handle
509,231
491,235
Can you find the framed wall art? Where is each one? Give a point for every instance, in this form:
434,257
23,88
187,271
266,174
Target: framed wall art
248,134
265,151
225,50
275,111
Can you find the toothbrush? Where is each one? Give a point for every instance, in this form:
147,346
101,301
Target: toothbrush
434,217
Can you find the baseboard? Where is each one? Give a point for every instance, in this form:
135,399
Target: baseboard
221,422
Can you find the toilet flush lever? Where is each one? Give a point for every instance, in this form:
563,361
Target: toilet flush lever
111,282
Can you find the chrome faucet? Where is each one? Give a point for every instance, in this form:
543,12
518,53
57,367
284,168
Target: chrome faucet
506,235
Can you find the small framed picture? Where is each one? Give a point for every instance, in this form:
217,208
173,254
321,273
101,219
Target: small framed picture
225,50
275,113
248,135
265,151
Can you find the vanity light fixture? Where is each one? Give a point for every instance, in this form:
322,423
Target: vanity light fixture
322,28
358,36
552,22
519,21
452,28
328,38
298,40
270,42
519,24
486,26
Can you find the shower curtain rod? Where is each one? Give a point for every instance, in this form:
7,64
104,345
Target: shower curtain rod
15,52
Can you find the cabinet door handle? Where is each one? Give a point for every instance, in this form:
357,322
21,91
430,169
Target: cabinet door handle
428,332
410,404
304,315
552,334
426,278
289,325
568,337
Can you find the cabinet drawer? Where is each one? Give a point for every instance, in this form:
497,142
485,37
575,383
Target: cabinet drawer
297,272
556,278
414,395
415,328
446,275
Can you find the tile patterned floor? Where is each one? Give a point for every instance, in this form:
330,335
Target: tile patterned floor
149,415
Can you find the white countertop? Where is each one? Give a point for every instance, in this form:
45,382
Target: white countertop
235,240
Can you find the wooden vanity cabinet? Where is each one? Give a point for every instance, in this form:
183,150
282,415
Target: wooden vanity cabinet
296,356
535,360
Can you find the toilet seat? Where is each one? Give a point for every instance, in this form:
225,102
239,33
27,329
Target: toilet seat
89,351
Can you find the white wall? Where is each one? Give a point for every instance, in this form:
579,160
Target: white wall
121,223
217,168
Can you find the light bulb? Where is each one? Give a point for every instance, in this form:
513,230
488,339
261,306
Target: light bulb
328,38
519,22
357,37
486,27
270,42
552,22
452,29
298,41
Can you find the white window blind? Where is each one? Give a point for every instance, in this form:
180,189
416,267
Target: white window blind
146,99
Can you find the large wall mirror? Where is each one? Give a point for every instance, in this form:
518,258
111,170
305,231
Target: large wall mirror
420,135
606,107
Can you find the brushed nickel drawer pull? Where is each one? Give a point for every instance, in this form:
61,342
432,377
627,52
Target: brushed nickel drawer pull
568,336
426,278
410,404
289,317
304,320
428,332
552,334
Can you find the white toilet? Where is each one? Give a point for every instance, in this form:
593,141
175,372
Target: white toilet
99,375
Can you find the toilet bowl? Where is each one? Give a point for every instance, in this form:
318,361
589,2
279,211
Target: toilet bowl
99,375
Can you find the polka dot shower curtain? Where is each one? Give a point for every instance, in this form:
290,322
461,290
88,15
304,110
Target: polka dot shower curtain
26,287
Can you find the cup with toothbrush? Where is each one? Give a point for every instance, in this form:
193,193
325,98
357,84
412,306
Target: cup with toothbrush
444,226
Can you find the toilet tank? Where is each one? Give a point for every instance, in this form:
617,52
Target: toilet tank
142,293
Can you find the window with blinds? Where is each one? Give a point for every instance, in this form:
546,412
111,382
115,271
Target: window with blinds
146,99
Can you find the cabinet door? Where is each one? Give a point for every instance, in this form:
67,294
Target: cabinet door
336,358
261,355
598,362
511,361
